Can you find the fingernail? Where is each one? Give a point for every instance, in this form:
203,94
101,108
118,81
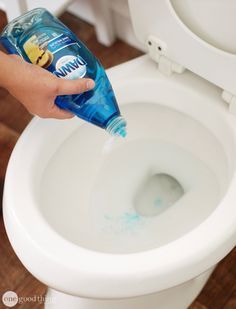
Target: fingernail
90,84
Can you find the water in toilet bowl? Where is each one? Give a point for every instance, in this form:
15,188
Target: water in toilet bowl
123,196
157,193
126,205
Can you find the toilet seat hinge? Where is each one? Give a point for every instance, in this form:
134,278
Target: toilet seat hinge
231,100
157,51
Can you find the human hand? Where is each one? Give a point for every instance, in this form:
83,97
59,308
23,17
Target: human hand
37,88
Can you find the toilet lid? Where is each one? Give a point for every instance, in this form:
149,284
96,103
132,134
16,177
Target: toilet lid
183,41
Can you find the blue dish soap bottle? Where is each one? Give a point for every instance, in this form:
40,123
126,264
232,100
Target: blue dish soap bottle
41,39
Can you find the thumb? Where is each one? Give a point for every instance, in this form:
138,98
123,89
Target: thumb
74,86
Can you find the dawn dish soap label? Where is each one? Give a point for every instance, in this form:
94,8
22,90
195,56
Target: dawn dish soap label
70,67
46,52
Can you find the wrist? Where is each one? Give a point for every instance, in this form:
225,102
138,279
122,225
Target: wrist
7,65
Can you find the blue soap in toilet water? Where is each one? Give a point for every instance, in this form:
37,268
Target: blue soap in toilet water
41,39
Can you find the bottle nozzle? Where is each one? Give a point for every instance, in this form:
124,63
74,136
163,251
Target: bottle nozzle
117,126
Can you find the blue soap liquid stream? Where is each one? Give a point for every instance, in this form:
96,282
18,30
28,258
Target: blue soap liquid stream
97,106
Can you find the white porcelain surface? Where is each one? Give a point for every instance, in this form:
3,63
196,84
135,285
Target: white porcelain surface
189,134
179,297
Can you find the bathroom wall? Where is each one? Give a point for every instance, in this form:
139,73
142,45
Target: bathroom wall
111,18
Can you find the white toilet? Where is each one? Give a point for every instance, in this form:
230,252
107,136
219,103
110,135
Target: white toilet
140,222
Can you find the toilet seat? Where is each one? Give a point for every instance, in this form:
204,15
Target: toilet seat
158,24
76,270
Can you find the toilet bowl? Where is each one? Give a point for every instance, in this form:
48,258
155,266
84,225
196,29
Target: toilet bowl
69,199
133,223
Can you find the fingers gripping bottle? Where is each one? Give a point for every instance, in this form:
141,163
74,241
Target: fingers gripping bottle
41,39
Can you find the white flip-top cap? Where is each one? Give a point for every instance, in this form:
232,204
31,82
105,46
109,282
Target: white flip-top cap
182,37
